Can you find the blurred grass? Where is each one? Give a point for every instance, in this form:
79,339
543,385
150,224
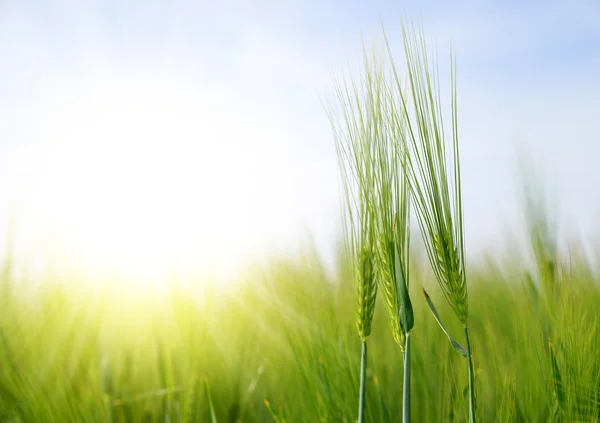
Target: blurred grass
281,345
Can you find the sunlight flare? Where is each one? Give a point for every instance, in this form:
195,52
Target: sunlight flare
141,175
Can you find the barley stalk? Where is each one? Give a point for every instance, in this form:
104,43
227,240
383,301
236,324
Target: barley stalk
406,382
433,172
392,216
360,124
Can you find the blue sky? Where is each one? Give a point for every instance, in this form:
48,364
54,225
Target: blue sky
248,77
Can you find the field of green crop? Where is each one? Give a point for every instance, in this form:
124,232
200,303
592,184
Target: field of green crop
282,346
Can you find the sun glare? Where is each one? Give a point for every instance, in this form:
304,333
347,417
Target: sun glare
142,176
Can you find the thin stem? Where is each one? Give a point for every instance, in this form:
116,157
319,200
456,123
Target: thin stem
471,380
363,374
406,388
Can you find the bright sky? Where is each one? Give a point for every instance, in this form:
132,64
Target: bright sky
146,135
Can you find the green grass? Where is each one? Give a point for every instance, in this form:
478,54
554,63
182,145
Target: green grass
288,336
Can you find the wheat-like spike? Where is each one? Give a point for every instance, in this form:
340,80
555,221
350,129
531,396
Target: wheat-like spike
357,143
361,108
387,278
391,211
367,293
453,282
433,172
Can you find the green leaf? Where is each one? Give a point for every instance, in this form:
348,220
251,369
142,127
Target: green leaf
213,416
455,344
277,415
407,319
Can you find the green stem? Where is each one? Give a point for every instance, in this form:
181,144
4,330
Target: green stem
406,388
363,374
471,380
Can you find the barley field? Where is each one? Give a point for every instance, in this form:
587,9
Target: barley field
282,346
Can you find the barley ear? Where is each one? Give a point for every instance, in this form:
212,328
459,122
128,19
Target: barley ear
390,289
392,216
367,293
361,124
433,172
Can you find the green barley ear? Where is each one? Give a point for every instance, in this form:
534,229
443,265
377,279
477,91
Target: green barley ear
391,212
392,254
433,172
541,226
361,123
355,134
367,293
